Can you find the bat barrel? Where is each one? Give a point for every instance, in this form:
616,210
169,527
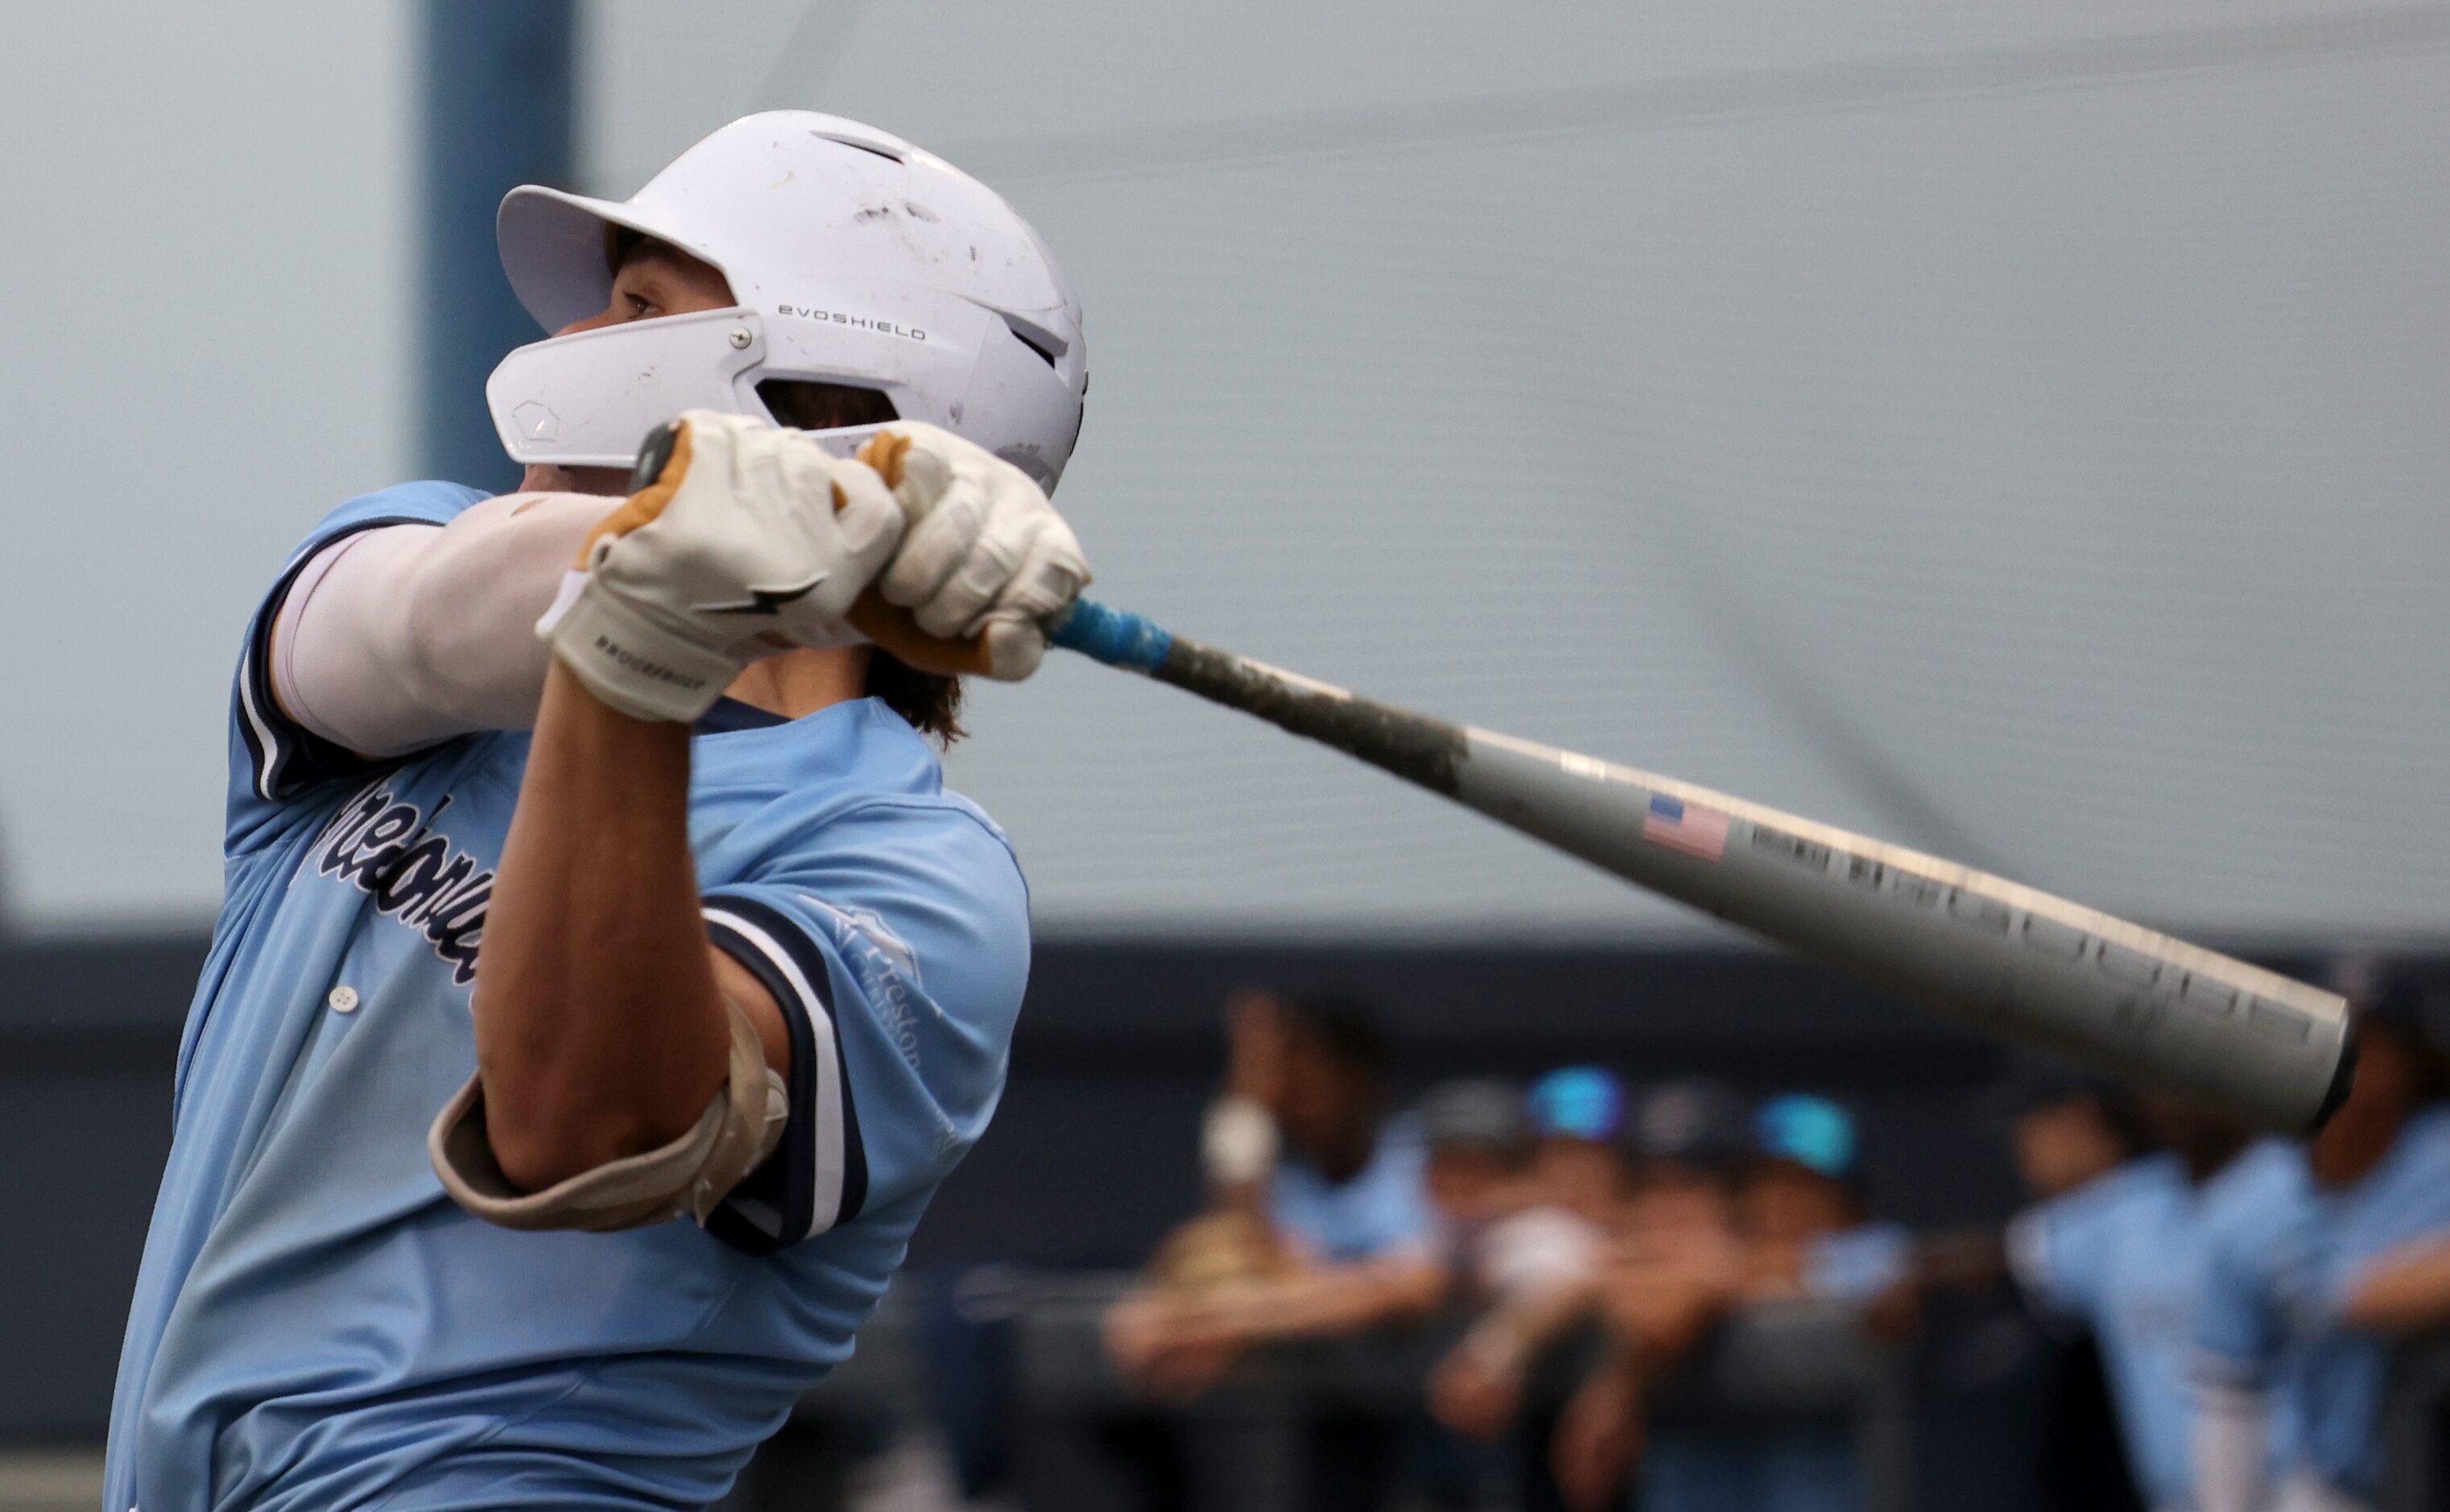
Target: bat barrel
1997,957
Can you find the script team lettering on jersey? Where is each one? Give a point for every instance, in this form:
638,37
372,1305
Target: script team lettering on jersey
387,850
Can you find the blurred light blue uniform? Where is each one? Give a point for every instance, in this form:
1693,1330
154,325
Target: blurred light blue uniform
2278,1271
1809,1467
1854,1264
2124,1253
1383,1209
317,1325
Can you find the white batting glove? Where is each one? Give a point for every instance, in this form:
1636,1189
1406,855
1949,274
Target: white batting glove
985,554
740,539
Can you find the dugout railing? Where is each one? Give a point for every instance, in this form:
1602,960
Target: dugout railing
1248,1443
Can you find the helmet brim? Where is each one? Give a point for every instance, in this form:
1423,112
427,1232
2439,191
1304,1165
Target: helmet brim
551,243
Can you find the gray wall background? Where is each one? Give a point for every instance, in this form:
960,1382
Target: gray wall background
205,262
2014,434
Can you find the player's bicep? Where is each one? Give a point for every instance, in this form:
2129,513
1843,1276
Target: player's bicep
274,756
399,638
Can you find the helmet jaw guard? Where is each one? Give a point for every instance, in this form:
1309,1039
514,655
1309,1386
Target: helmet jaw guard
589,399
883,267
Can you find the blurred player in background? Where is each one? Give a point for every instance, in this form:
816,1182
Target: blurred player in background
744,959
1318,1226
1576,1119
2124,1254
2066,1130
1676,1263
1805,1211
1527,1268
2301,1294
1796,1230
1319,1222
1479,1144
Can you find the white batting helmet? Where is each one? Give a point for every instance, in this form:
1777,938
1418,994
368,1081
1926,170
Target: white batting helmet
857,259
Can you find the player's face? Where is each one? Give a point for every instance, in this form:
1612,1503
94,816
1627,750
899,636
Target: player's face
653,280
2202,1136
2384,1092
1670,1198
1786,1203
2062,1146
1580,1175
1328,1110
1466,1184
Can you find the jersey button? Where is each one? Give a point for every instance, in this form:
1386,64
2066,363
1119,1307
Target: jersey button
344,1000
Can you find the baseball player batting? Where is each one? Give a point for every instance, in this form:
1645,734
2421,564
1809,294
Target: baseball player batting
743,960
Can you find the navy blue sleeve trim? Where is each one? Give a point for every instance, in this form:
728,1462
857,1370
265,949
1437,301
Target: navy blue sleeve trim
287,757
817,1177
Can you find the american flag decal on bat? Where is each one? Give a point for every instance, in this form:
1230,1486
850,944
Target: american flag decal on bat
1688,827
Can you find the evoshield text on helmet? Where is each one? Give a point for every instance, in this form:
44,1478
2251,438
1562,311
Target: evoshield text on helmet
856,259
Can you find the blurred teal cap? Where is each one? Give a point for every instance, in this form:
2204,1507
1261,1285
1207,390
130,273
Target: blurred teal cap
1811,1132
1578,1102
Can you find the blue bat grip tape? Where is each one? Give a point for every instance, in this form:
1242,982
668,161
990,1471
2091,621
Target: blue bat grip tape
1113,636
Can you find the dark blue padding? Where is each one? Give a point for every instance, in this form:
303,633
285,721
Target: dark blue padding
786,1181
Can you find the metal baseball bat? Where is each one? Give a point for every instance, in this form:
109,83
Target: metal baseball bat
1985,952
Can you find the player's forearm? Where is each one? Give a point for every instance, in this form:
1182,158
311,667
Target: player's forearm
2404,1292
600,1033
410,634
1346,1299
1523,1325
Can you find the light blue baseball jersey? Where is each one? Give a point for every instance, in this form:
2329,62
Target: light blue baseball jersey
2278,1271
2124,1253
1383,1209
1854,1265
317,1325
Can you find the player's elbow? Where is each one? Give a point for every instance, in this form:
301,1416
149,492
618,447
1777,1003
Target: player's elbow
543,1140
538,1148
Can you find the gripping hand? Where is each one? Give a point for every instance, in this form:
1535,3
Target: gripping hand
985,560
737,541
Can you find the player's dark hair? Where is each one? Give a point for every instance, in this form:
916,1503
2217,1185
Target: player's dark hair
806,405
930,701
1343,1027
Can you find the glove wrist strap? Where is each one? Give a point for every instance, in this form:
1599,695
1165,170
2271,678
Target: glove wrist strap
629,660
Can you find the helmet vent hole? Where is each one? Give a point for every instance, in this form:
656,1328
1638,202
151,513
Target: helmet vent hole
886,154
1034,346
809,404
